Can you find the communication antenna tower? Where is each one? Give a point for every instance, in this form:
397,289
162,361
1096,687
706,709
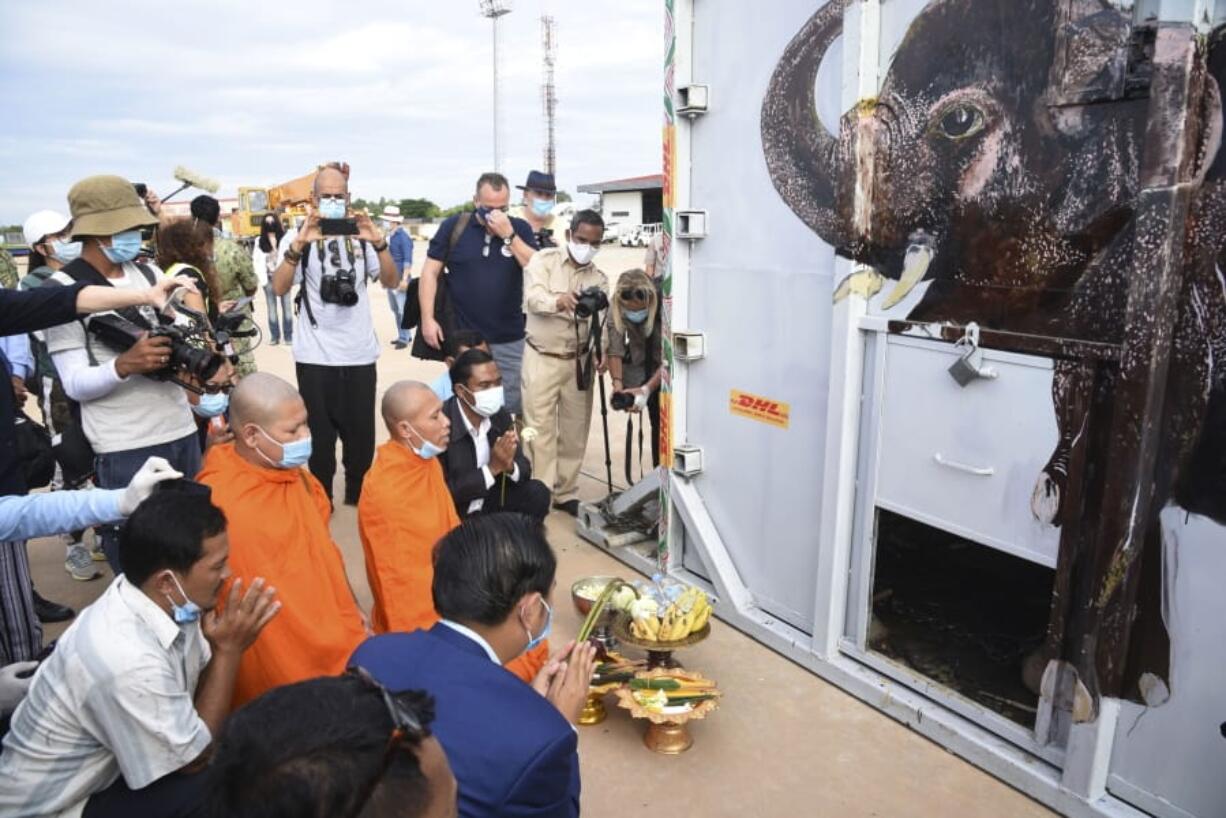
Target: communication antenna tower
549,97
495,9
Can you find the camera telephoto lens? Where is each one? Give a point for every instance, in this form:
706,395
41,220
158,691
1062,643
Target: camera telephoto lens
200,363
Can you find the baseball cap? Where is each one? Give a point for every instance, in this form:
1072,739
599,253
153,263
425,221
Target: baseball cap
43,223
105,205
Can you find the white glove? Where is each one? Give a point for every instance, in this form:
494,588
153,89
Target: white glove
13,689
640,398
155,470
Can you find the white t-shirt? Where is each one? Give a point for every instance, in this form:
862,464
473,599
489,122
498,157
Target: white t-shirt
344,336
139,411
116,696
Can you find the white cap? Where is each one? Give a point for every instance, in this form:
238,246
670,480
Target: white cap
43,223
392,213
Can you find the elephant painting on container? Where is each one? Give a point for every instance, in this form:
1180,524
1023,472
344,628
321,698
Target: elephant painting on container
979,169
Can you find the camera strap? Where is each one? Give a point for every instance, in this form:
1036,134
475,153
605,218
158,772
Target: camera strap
630,447
301,299
81,271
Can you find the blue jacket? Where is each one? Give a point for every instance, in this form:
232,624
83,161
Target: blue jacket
512,752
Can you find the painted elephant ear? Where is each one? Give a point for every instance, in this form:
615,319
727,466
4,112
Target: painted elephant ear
802,157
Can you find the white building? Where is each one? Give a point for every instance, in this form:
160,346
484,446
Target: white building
631,202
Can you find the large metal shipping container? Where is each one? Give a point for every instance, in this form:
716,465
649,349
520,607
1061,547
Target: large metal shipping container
947,391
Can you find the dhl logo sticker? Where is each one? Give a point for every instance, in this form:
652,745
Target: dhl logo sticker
755,407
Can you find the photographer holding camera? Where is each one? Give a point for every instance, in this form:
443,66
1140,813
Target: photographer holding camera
126,418
332,257
636,353
564,296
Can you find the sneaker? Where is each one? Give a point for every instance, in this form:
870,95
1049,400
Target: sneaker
79,563
398,344
571,507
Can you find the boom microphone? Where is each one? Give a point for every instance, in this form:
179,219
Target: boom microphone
190,178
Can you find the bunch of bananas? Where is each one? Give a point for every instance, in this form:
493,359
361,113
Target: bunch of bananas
681,618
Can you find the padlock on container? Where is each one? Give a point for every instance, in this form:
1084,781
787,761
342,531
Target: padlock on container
969,366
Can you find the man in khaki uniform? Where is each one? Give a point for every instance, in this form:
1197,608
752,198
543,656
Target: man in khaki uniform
554,405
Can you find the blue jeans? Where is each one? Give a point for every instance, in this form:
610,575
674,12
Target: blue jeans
395,300
287,315
510,360
115,470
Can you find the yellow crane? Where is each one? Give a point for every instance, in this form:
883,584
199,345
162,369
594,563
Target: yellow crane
287,200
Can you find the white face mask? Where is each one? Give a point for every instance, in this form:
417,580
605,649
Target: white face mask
487,402
581,253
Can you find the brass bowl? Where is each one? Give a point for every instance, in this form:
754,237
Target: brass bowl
583,605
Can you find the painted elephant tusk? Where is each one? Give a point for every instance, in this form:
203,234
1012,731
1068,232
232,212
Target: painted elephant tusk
915,266
865,283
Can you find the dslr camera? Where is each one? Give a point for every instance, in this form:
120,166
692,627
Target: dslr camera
622,401
339,288
591,301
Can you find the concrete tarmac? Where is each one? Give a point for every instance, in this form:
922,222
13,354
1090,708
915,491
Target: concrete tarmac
783,742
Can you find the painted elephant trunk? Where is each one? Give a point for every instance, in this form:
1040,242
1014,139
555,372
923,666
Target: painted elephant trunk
806,163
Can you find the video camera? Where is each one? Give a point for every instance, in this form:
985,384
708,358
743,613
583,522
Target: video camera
191,350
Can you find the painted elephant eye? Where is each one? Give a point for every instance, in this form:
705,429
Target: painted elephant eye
960,122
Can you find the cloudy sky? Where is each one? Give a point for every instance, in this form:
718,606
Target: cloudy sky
256,93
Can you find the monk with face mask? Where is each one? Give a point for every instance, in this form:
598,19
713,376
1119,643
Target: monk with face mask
405,509
278,524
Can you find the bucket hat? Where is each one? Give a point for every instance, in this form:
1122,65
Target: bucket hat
106,205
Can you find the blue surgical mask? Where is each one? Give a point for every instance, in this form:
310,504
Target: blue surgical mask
542,207
295,453
186,613
65,251
332,208
428,450
212,404
533,641
635,316
124,247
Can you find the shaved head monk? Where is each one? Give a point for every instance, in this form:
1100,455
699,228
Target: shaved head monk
405,509
278,524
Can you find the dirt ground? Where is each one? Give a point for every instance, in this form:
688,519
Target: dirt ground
783,743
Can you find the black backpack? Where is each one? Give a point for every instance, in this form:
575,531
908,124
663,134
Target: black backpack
34,454
443,313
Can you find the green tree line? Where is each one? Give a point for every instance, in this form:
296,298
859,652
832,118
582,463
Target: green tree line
423,208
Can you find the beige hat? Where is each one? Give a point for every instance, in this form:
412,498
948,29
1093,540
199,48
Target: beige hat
392,214
106,205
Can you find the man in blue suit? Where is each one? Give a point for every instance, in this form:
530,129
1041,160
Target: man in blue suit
512,747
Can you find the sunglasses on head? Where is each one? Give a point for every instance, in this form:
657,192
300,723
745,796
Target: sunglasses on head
633,294
406,729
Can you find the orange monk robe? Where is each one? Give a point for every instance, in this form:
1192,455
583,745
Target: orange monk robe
277,520
404,510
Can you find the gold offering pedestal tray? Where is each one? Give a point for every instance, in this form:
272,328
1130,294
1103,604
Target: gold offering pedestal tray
667,732
659,654
593,708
